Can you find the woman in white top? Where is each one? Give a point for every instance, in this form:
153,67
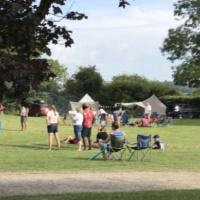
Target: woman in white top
77,122
53,120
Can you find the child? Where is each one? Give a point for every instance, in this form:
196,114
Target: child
158,144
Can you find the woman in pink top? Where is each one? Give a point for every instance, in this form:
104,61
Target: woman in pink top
53,120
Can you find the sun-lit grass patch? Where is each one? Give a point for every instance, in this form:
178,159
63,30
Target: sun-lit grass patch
27,151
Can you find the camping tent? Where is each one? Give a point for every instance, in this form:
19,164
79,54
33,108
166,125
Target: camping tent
156,105
85,99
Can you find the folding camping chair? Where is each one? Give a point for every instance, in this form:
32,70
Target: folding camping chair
164,121
125,120
141,150
161,120
116,148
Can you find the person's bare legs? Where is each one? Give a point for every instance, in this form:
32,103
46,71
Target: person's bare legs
95,145
79,145
84,142
103,153
22,126
57,140
25,126
90,143
66,140
50,140
64,122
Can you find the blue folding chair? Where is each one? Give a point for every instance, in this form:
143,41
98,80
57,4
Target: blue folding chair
140,150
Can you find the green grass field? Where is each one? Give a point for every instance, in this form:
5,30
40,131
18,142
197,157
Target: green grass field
27,151
150,195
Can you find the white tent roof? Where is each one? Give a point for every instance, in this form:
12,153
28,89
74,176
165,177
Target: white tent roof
86,99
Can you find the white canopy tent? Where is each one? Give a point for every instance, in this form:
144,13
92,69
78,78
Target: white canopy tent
85,99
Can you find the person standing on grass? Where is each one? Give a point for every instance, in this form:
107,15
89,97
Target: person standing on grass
88,119
1,110
65,117
148,111
52,120
102,114
24,116
77,123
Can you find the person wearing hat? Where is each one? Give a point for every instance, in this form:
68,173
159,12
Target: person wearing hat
158,144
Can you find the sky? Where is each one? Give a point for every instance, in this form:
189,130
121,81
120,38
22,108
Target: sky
119,40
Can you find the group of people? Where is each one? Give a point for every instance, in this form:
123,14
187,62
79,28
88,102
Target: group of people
82,124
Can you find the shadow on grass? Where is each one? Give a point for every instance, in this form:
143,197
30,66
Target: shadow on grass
26,146
12,130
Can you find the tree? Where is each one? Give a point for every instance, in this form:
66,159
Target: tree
127,88
51,91
86,80
183,43
163,89
59,70
26,29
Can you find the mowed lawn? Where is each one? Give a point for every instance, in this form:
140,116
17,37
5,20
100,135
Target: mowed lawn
150,195
27,151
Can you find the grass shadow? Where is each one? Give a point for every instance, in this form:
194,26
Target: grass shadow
26,146
11,130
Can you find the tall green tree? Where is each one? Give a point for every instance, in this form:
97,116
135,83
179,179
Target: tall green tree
183,43
163,89
86,80
128,88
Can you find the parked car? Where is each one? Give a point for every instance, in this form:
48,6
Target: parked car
38,109
185,111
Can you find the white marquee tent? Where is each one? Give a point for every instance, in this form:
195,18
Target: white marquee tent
85,99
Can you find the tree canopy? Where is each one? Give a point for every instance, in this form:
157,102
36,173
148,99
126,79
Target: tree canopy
86,80
122,88
183,43
26,29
